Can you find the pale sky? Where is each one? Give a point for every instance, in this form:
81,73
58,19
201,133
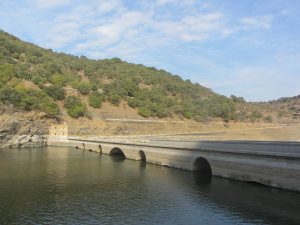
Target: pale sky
249,48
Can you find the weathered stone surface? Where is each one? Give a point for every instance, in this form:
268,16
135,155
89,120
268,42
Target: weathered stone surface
8,130
30,141
23,131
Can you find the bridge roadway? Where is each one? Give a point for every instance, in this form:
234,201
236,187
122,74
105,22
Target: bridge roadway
275,164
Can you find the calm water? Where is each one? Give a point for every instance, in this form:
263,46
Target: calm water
67,186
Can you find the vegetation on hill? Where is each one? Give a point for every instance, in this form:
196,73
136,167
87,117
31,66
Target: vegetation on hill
33,78
287,107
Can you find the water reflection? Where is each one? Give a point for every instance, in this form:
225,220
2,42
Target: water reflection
67,186
117,158
117,152
143,164
202,177
255,203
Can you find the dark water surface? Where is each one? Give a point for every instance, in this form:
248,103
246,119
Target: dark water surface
68,186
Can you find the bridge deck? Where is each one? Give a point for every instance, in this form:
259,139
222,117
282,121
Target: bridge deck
262,148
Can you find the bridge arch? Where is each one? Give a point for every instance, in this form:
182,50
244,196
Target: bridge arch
202,166
117,152
142,156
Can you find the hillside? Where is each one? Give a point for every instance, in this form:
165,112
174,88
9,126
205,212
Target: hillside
32,78
288,107
60,85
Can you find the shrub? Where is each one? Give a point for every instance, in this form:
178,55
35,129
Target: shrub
256,115
49,107
29,99
268,119
32,99
280,114
95,100
115,99
133,102
59,79
56,92
187,114
144,112
7,72
14,81
75,107
236,99
84,87
37,80
9,95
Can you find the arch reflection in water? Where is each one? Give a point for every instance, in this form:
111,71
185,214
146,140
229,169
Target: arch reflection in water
100,149
117,155
143,159
202,171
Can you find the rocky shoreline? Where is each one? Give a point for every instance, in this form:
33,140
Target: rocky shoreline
25,141
24,131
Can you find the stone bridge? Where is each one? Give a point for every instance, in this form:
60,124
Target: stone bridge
275,164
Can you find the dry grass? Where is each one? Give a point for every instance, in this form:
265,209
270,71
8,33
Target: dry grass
187,129
128,122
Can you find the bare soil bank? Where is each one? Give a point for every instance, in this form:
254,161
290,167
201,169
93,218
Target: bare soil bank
36,124
186,129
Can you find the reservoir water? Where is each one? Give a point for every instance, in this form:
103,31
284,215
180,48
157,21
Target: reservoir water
59,185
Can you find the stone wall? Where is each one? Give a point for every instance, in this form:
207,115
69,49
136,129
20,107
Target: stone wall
58,132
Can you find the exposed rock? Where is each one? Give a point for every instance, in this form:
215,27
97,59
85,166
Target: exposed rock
8,130
26,131
30,141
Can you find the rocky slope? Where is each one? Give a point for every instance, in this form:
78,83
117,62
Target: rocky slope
23,130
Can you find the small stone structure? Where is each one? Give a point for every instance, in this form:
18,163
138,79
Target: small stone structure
58,132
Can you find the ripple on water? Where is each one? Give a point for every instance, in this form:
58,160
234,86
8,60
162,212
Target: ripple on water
65,186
